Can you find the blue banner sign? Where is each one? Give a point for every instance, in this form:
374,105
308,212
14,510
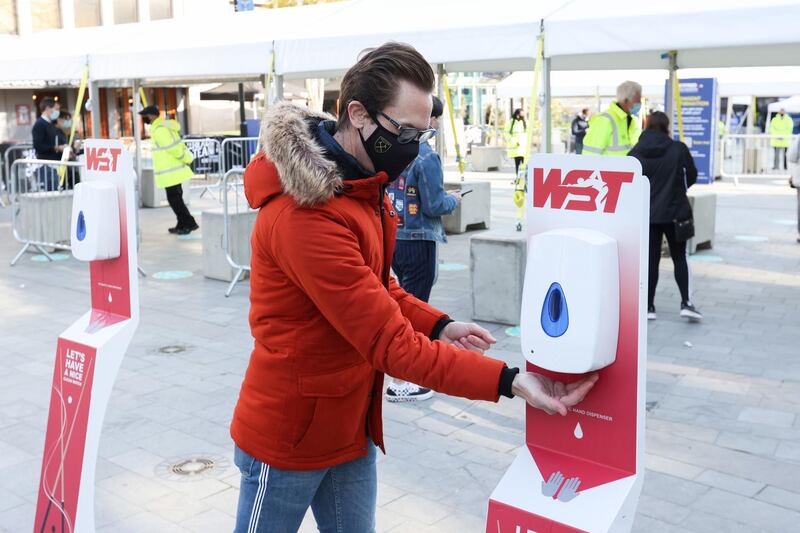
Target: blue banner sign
700,114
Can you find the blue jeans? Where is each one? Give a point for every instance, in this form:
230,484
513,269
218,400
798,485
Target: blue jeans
414,264
341,497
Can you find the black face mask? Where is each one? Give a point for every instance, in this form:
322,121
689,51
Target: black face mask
146,120
387,153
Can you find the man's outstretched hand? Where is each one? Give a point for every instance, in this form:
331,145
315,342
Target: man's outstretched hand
467,336
549,395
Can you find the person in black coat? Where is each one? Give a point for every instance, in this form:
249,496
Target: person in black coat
579,126
670,168
45,141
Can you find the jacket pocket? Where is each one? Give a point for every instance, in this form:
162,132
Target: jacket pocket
341,399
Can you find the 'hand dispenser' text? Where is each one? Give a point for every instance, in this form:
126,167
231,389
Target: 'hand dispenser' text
570,303
95,221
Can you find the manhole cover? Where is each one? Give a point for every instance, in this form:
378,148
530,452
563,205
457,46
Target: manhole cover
194,467
172,349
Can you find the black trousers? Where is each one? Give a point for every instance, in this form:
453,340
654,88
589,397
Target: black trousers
579,144
414,264
175,199
677,250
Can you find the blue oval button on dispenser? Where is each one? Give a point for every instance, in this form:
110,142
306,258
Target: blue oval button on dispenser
80,230
555,315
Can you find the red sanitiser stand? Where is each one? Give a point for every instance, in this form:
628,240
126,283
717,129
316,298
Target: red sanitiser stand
582,472
89,352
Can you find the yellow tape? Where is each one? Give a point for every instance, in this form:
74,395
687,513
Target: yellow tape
677,97
62,170
142,97
537,69
453,124
519,181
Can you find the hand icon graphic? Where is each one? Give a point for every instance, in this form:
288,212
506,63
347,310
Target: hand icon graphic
550,488
570,489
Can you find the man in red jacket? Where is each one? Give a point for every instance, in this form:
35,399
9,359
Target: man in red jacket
328,318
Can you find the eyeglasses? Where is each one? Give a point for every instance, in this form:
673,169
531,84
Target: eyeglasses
407,134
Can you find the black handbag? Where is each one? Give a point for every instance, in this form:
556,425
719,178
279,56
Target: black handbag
684,220
684,229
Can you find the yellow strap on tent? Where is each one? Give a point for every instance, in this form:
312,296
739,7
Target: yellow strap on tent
142,97
453,124
677,97
62,170
520,180
537,69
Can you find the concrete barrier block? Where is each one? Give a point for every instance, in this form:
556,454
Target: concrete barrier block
475,209
242,220
704,210
485,158
497,264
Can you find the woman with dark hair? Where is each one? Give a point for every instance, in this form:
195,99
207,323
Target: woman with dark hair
670,168
516,139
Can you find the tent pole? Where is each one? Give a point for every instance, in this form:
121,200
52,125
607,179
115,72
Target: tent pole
137,131
547,126
673,72
242,116
137,137
440,94
94,95
278,87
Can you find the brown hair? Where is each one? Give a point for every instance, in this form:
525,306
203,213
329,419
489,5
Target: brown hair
658,121
373,80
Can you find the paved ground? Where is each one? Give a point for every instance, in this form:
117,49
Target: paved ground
723,441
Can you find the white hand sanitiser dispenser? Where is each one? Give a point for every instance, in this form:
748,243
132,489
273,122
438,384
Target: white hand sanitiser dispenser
95,221
570,301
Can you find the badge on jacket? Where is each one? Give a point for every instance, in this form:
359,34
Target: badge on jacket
413,208
412,191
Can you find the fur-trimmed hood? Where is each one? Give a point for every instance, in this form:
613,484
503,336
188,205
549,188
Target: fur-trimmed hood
292,149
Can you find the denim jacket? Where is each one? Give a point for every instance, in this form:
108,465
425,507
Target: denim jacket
420,201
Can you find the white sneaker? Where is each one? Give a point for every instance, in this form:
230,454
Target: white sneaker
688,310
407,392
651,313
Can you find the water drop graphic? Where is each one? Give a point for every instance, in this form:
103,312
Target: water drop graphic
578,431
109,297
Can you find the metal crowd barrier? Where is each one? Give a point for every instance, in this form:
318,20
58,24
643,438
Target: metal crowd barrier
232,180
207,153
12,153
237,152
41,209
752,156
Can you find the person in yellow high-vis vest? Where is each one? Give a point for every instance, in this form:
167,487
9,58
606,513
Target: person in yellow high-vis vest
615,131
781,124
171,160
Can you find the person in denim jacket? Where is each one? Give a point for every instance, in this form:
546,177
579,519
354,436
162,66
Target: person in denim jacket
420,201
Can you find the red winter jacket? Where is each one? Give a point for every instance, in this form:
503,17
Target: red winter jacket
327,317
